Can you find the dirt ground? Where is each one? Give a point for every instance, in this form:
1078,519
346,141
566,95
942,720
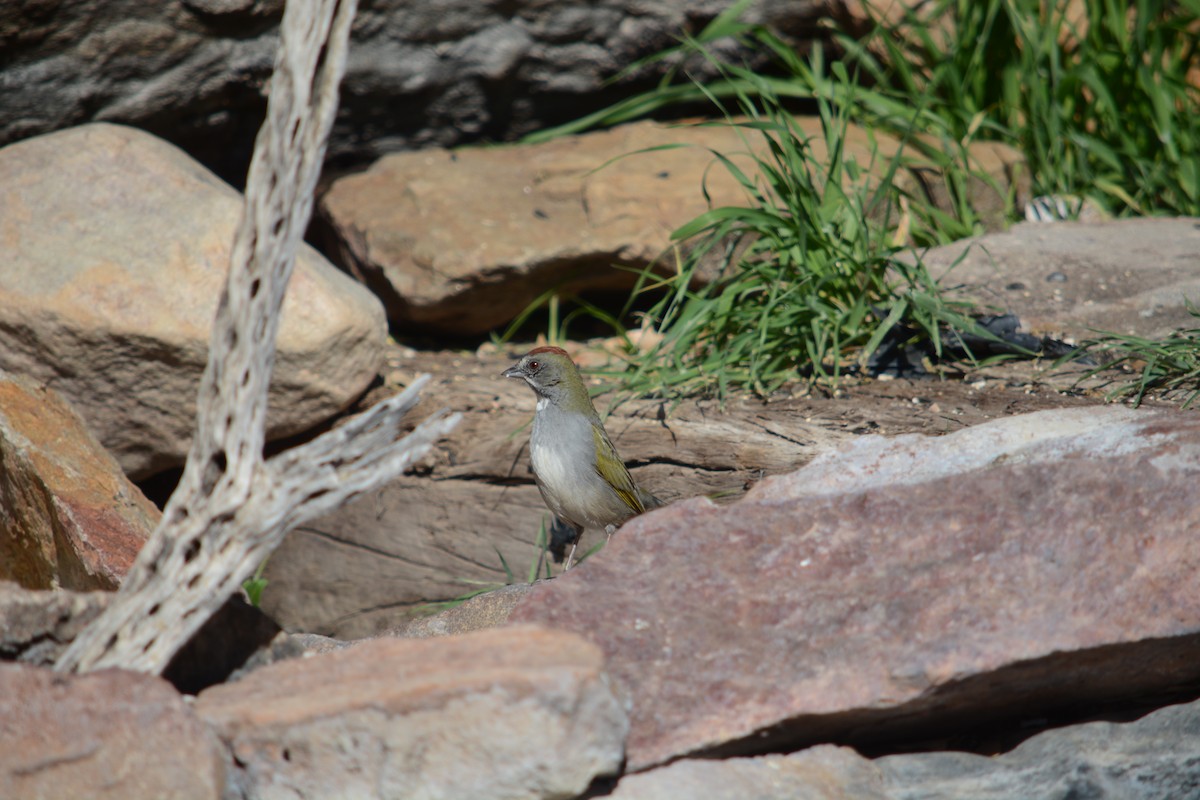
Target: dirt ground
931,405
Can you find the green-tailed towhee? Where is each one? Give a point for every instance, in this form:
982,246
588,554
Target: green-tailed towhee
578,471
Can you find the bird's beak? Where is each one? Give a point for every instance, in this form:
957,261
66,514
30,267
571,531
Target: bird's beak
512,372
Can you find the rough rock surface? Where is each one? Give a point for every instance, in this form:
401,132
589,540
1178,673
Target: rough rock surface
1073,279
1047,569
433,73
69,518
824,772
109,734
462,241
508,713
1154,758
36,626
287,646
488,610
116,246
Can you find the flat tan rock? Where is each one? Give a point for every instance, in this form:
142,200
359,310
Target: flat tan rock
116,246
518,712
71,519
108,735
1049,567
461,241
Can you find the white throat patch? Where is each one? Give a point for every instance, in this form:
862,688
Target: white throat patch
542,403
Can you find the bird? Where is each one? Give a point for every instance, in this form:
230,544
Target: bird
580,475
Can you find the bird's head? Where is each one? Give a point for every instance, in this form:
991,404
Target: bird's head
551,374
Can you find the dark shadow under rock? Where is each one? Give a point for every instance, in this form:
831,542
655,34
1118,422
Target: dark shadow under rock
223,644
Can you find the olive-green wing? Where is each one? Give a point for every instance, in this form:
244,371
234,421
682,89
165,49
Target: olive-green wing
612,469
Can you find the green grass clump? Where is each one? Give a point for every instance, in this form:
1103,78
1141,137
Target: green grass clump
1102,101
809,272
812,281
1165,365
256,585
1097,99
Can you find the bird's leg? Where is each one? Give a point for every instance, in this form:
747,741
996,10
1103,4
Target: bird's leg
576,534
562,533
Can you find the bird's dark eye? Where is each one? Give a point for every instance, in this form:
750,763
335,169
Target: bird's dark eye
534,365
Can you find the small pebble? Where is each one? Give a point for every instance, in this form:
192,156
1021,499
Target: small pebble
1056,277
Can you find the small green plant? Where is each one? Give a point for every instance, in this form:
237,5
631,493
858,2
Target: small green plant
255,586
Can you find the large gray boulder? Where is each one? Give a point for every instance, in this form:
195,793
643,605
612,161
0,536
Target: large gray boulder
419,74
1154,758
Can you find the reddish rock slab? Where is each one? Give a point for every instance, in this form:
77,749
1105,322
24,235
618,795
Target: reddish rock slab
1015,583
108,734
71,519
518,712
